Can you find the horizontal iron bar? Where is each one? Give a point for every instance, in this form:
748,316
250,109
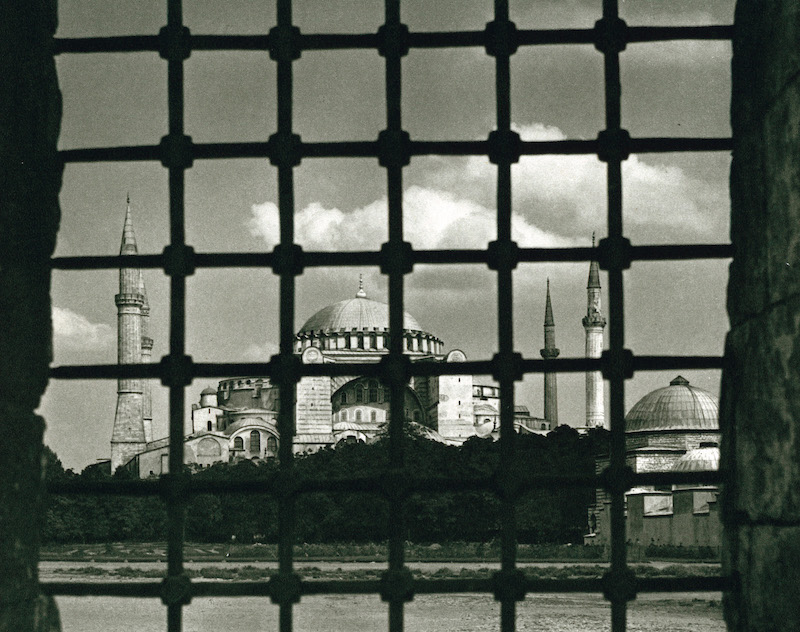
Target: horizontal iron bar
362,258
335,41
470,367
103,262
104,589
365,587
369,149
375,483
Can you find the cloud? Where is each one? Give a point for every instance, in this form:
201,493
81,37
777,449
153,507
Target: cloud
568,193
558,201
260,352
74,332
433,218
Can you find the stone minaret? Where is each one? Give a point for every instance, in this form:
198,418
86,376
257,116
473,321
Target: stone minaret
128,437
550,351
594,323
147,348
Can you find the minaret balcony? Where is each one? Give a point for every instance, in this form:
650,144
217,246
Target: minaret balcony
129,299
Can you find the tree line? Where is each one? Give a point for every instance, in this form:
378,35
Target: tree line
543,516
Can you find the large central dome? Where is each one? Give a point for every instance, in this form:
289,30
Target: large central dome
678,406
359,313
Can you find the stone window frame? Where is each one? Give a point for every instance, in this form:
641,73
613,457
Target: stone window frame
394,149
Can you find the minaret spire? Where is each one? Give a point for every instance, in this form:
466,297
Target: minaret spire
594,323
128,437
548,353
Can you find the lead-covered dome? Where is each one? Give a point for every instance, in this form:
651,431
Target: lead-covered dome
703,459
359,313
678,406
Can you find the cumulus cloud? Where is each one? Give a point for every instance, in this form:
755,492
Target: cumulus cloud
433,218
260,352
74,332
558,201
573,189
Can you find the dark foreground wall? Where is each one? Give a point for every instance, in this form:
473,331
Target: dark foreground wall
30,115
761,387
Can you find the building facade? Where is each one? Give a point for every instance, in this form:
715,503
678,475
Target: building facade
238,418
671,429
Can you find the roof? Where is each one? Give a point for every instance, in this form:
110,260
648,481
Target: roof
360,313
699,460
678,406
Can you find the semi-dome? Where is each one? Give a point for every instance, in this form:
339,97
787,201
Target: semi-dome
678,406
359,313
703,459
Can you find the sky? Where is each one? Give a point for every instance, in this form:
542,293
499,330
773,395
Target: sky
669,89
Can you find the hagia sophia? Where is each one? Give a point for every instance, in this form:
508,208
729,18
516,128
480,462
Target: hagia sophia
672,428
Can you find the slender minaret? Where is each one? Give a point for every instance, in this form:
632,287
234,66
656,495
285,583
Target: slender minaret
128,437
549,352
147,349
594,323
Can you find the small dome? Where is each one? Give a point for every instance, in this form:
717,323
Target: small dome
678,406
360,313
208,390
699,460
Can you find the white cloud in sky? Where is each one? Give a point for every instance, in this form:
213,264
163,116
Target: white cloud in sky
654,195
260,352
74,332
558,200
432,219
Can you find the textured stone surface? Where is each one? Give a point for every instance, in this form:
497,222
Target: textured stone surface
760,406
767,597
29,214
762,395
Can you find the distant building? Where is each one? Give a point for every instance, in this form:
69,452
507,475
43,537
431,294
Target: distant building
671,429
238,418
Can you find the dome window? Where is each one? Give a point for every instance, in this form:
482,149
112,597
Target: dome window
238,444
373,391
255,442
358,415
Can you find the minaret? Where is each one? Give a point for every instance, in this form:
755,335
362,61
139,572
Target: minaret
147,348
594,323
128,437
549,352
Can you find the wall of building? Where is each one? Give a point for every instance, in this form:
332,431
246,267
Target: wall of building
760,404
29,213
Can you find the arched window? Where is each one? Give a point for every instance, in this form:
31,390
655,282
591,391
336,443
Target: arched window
373,391
238,444
373,341
373,416
255,442
359,394
344,415
544,426
358,415
344,397
272,444
209,426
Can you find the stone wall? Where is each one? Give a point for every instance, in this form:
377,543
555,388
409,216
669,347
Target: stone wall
760,408
30,118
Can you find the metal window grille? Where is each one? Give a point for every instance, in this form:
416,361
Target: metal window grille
394,150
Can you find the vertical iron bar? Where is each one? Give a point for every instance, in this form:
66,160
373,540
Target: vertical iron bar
613,91
505,320
287,386
177,334
394,184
